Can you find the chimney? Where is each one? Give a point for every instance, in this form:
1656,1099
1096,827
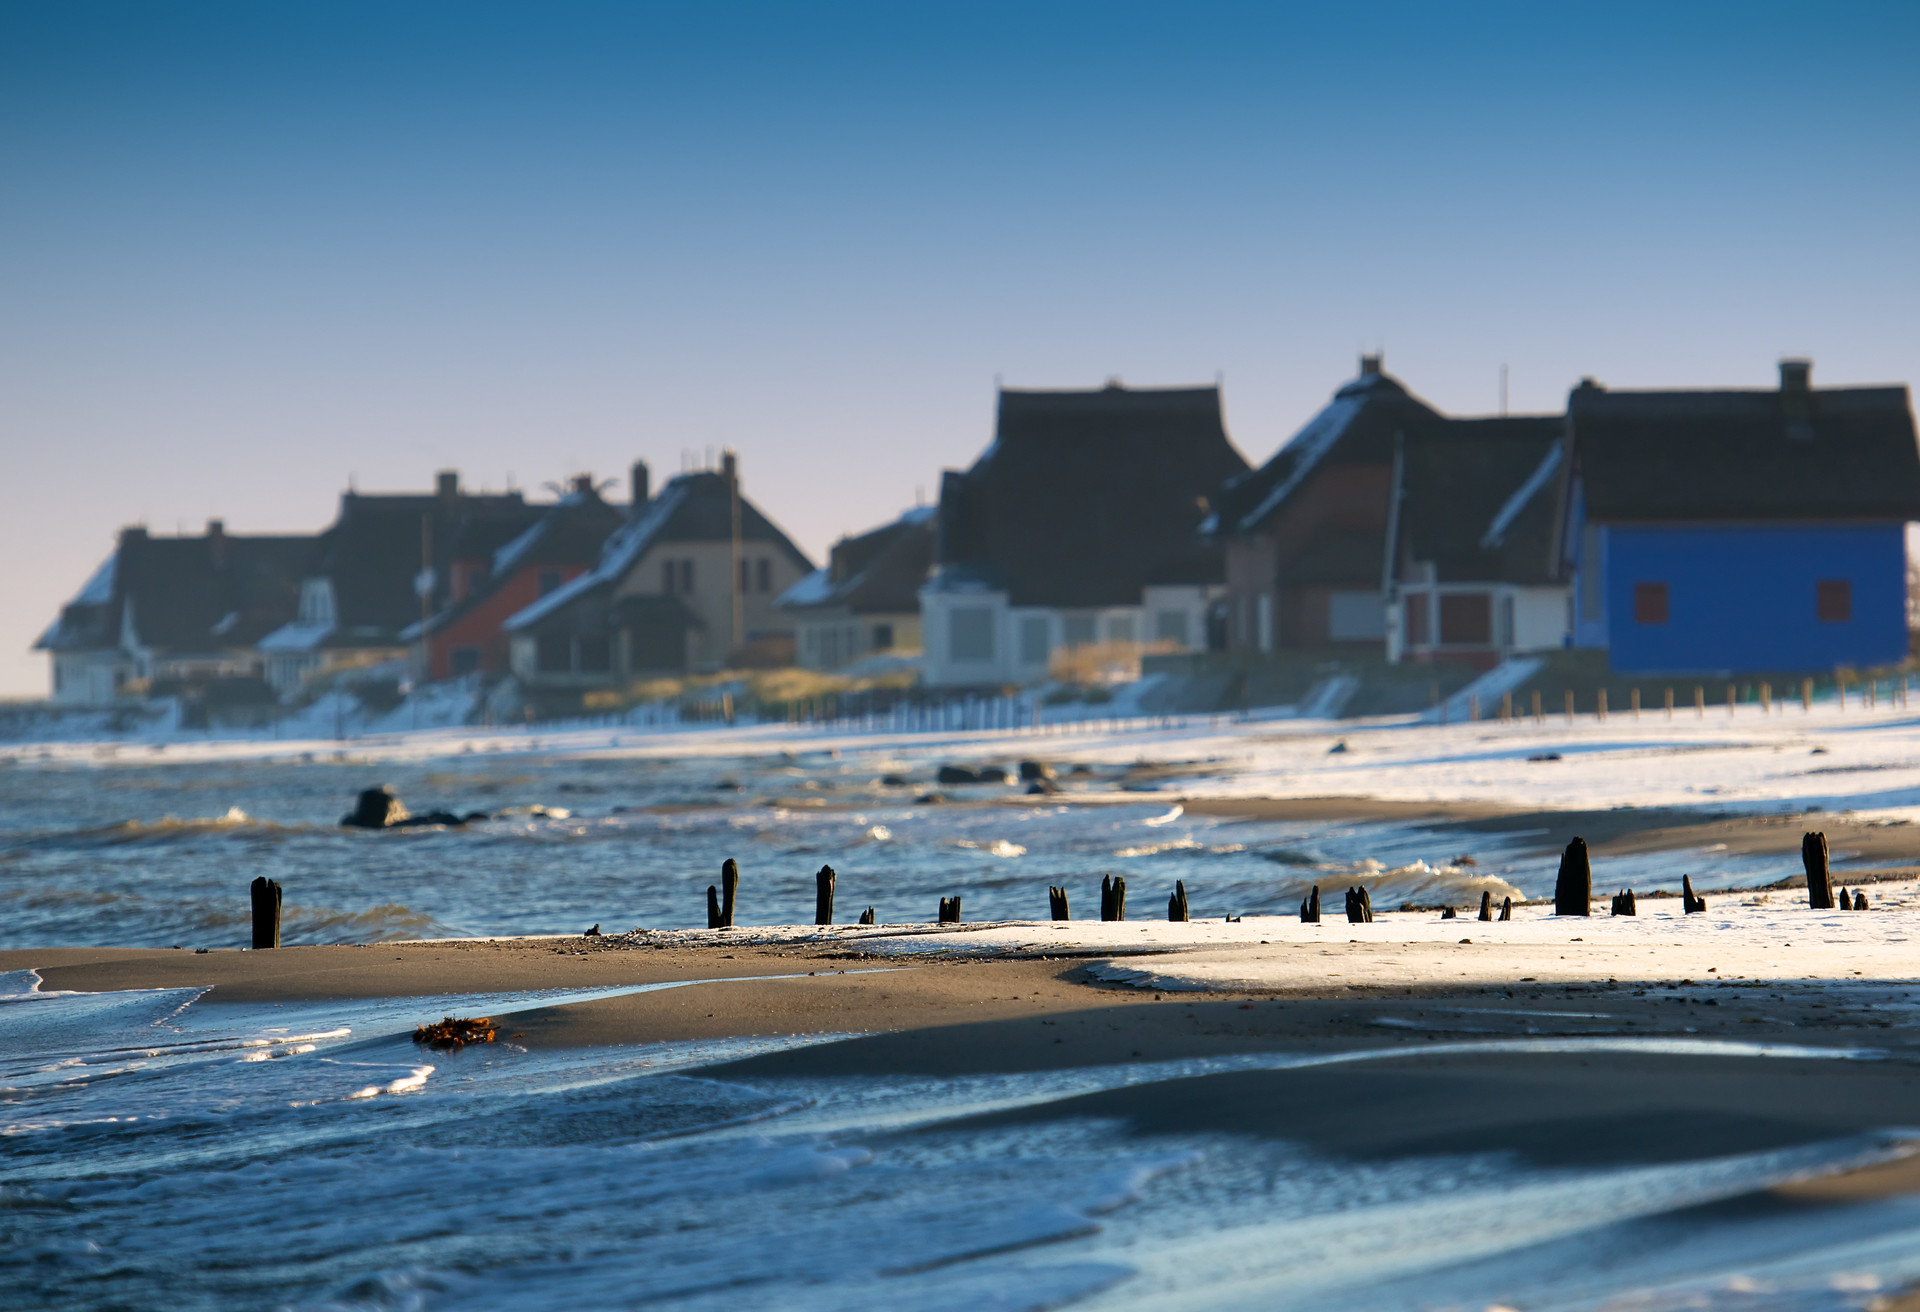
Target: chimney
730,468
642,489
217,542
1796,376
1370,365
1796,398
583,483
216,528
446,484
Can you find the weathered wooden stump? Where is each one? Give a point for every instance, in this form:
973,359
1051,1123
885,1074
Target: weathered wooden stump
823,896
1846,899
1859,900
950,910
1623,904
868,918
1057,904
1359,906
1177,903
713,907
1573,890
1310,907
265,894
729,890
1813,855
1690,902
1486,904
1506,908
1113,897
1448,913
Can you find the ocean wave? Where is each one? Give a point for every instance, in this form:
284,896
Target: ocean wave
1154,849
1418,884
167,829
998,847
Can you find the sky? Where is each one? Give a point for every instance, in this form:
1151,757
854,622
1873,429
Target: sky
254,253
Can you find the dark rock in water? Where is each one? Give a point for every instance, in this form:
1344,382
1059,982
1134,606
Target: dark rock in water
956,774
426,818
992,774
1035,770
929,799
1082,768
1042,788
1544,756
727,786
893,781
1337,748
473,816
377,808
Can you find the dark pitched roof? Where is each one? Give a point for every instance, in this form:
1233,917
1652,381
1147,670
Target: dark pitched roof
1795,453
693,507
1478,498
571,531
878,572
1085,495
373,552
1356,427
185,595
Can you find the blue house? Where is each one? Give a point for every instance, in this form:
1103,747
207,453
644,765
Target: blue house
1736,532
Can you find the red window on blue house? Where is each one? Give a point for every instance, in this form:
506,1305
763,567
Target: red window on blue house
1833,601
1649,603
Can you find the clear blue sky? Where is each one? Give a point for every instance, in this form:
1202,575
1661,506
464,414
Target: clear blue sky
251,250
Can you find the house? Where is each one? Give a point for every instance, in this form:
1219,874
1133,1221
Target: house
866,601
688,582
1078,525
1305,534
388,561
1474,564
176,615
466,636
1742,531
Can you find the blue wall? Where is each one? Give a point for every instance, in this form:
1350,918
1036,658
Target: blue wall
1741,599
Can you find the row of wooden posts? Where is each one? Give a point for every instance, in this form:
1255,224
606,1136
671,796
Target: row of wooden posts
1896,695
1572,896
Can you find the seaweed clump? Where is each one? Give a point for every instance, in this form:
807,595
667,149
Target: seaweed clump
453,1033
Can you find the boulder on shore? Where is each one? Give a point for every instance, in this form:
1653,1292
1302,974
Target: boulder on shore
379,808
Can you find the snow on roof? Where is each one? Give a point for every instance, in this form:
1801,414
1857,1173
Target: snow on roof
298,635
628,543
809,591
1320,435
1521,496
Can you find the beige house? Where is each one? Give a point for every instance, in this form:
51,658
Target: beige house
689,583
866,601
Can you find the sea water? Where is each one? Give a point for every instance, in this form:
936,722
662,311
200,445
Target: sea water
157,1150
160,854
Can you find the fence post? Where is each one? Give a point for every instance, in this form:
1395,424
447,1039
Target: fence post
1699,701
265,894
823,896
1569,708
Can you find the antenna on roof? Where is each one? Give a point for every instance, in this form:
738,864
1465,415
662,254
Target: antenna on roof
1503,389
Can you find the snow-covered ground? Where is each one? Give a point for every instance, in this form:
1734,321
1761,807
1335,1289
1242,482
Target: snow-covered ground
1837,759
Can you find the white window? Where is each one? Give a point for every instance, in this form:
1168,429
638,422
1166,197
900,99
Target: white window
316,601
970,633
1170,626
1034,644
1355,617
1077,630
1120,628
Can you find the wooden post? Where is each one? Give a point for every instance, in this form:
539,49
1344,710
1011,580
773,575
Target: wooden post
823,896
1177,904
265,894
713,907
1538,717
1113,897
1690,902
1359,906
1473,707
1573,890
1486,904
1839,691
1731,693
1699,701
1506,708
1669,703
729,890
1310,908
867,917
1766,699
1600,705
1057,903
1859,900
1506,908
1569,706
1872,684
1806,695
1634,701
950,910
1813,855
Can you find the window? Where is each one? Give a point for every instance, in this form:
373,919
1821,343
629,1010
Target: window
970,633
1170,626
745,575
1649,603
1120,628
1077,630
1419,619
554,653
763,570
1833,601
686,577
465,660
1355,617
667,577
596,654
882,635
1466,618
1035,644
549,580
